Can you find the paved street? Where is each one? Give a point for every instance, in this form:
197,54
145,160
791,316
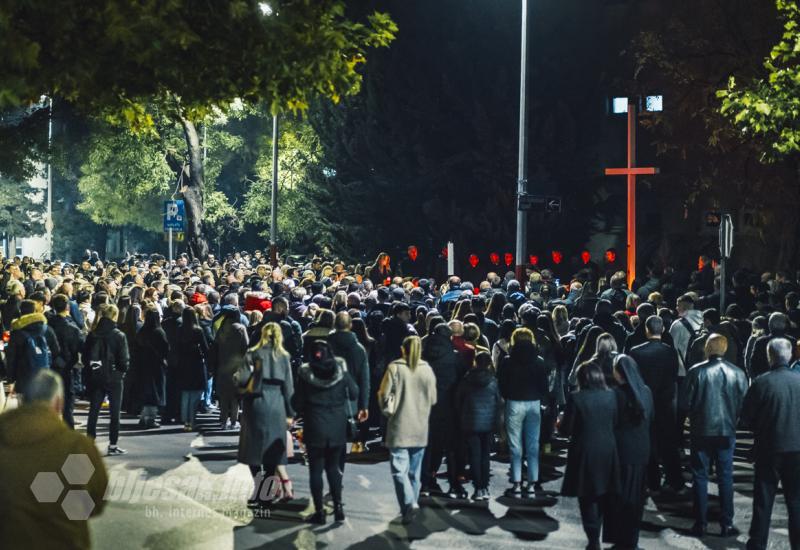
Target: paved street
194,497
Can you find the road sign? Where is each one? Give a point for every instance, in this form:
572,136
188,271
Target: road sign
174,215
539,203
553,205
726,236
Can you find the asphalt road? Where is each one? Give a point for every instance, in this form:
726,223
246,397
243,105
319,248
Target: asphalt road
176,490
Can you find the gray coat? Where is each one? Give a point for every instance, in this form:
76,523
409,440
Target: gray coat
262,439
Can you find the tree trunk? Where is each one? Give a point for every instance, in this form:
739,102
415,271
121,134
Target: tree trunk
192,192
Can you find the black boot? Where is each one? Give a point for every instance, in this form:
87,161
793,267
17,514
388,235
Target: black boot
317,517
338,512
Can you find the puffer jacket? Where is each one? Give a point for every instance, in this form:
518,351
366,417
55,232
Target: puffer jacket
478,400
34,324
713,398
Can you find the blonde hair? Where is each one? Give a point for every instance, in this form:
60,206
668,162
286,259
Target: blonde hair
412,349
271,337
521,335
106,311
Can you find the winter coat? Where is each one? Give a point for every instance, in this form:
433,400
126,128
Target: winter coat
592,461
192,354
522,375
151,355
19,369
712,397
116,358
230,347
415,394
438,352
478,401
633,437
321,398
344,344
393,331
70,342
263,436
34,439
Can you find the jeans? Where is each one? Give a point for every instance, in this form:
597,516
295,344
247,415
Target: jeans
769,470
479,446
523,420
208,392
406,464
720,450
69,395
189,402
325,459
97,392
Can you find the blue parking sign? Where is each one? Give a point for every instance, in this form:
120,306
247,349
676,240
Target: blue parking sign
174,215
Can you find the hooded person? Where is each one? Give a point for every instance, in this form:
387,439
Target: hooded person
439,353
321,397
636,412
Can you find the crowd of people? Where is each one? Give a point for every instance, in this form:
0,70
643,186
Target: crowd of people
442,375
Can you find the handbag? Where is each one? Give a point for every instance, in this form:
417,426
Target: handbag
248,380
389,402
352,425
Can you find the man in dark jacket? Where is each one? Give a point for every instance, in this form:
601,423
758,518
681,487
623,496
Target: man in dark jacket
172,324
771,408
604,318
31,346
778,327
639,335
70,341
712,324
439,353
658,365
713,399
344,344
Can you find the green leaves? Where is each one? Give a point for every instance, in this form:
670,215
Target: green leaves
770,109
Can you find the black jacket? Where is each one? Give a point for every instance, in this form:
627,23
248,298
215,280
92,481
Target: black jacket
116,347
592,461
346,346
758,362
633,435
522,375
712,397
393,331
639,337
70,342
192,360
771,409
478,401
320,396
658,365
438,352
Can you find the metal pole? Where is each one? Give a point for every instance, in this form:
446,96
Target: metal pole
722,284
273,223
631,193
170,249
522,176
49,220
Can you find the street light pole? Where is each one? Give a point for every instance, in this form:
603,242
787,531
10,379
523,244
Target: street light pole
522,176
273,224
48,224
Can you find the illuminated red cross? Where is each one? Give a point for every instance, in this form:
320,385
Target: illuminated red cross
631,171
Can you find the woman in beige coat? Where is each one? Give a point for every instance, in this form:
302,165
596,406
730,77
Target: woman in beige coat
406,395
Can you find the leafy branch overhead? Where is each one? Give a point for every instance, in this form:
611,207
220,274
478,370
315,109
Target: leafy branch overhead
769,108
121,54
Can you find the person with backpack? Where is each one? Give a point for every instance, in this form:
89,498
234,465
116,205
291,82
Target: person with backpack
30,348
105,359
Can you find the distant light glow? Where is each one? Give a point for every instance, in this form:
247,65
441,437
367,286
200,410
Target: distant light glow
265,8
619,105
329,172
654,103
